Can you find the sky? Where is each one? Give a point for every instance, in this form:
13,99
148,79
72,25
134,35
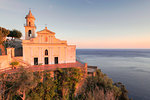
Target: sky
100,24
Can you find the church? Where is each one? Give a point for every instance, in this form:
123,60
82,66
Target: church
40,48
44,48
42,51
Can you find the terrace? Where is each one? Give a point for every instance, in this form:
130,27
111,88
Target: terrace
51,67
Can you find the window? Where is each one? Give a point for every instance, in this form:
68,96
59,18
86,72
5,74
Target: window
46,52
35,61
56,60
29,23
46,60
29,33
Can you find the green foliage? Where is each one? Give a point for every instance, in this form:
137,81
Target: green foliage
44,90
14,63
15,34
3,33
100,84
42,86
17,85
123,93
66,81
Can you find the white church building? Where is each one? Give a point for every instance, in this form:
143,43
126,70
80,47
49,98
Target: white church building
44,48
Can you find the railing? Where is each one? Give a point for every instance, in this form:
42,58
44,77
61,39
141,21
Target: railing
78,59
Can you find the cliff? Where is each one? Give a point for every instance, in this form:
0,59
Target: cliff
29,85
101,87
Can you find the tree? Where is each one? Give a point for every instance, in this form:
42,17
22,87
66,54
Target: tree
3,33
44,90
67,80
62,86
99,87
15,34
18,84
124,92
15,63
25,82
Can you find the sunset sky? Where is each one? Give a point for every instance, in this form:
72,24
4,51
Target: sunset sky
86,23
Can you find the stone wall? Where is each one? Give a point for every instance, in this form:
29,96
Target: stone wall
5,60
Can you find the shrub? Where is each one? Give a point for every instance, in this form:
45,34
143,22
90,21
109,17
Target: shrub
14,64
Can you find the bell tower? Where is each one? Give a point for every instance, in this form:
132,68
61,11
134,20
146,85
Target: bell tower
30,28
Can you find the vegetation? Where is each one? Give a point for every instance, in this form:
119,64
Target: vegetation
40,85
100,87
3,33
15,34
7,33
14,64
27,85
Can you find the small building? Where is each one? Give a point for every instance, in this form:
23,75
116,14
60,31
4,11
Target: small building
45,48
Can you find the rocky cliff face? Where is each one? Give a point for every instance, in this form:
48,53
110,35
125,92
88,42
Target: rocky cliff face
109,96
101,95
101,87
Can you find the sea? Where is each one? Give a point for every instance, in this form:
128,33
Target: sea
129,66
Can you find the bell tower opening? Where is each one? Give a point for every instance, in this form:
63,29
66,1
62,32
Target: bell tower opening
29,23
29,33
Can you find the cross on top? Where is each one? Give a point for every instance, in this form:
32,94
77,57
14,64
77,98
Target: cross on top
45,26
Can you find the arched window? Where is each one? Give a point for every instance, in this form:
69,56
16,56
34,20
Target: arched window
29,23
46,52
29,33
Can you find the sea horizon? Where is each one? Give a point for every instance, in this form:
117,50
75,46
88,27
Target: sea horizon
129,66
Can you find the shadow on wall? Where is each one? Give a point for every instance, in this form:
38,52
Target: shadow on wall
18,52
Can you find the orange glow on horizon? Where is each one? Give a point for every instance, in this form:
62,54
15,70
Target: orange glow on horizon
140,45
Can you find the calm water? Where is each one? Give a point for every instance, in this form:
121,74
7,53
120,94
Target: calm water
131,67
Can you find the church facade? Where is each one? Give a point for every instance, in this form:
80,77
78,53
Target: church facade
44,48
